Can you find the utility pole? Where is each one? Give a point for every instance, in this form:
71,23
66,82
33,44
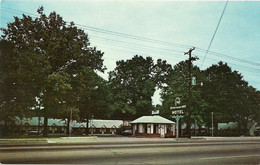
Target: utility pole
189,90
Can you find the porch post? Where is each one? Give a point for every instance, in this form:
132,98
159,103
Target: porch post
151,128
134,129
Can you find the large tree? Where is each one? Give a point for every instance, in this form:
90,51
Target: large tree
92,96
228,96
133,83
224,93
247,108
16,96
49,56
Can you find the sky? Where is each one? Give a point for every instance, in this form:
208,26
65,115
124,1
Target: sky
161,29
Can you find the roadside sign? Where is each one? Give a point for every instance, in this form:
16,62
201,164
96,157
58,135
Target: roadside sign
155,112
178,107
177,112
177,101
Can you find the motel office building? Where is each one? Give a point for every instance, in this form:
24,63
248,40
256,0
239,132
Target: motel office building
153,126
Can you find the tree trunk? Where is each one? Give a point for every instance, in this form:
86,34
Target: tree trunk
215,127
87,130
45,127
239,124
5,129
245,126
68,126
199,131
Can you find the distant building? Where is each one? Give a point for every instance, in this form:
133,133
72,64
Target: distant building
56,126
153,126
27,124
105,126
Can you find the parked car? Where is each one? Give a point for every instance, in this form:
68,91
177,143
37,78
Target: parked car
127,132
34,132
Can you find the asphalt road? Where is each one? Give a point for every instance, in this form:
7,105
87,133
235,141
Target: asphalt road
192,153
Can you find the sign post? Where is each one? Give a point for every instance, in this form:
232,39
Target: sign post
177,118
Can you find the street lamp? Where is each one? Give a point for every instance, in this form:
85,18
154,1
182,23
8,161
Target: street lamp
194,83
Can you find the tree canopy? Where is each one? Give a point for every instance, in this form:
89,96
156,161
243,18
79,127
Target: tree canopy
177,86
133,83
48,56
227,95
224,92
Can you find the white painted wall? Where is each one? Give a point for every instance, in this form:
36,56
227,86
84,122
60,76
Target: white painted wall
173,128
141,128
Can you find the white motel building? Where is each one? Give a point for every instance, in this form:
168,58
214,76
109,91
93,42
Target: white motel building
153,126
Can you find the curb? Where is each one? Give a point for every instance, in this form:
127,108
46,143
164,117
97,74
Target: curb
90,137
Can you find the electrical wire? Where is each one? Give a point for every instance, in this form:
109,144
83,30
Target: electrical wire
150,40
153,41
214,33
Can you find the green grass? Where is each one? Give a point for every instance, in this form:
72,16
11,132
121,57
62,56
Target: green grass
23,141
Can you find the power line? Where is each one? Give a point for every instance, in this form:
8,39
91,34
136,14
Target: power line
99,30
131,36
214,33
134,53
168,53
91,28
18,11
149,49
211,59
201,50
229,57
130,46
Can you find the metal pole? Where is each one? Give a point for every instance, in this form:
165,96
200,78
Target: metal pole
177,118
92,116
177,125
212,125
